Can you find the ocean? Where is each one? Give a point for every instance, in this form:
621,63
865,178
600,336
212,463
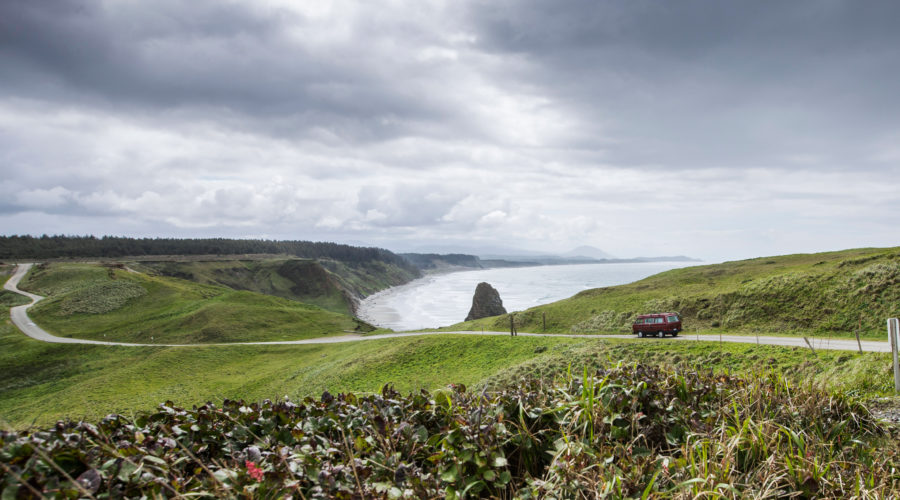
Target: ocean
444,299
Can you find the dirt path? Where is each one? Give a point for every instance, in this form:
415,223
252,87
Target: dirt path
20,318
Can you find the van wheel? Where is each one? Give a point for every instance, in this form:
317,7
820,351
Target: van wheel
675,334
640,334
660,334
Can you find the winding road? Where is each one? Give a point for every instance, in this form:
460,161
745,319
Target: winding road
19,316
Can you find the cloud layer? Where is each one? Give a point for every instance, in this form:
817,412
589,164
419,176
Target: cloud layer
710,129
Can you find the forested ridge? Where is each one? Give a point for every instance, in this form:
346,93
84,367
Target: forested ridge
49,247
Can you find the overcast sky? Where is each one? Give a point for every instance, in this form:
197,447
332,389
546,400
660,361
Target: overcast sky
712,129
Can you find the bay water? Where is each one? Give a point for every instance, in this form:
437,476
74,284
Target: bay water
444,299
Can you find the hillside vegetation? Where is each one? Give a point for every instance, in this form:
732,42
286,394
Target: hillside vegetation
296,279
834,293
626,431
99,302
333,276
330,284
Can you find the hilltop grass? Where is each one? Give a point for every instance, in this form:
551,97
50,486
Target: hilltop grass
107,303
825,294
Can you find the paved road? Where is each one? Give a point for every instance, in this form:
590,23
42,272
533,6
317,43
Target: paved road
20,318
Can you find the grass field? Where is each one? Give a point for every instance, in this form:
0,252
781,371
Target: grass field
824,294
44,382
106,303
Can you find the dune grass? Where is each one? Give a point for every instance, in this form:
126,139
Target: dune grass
106,303
825,294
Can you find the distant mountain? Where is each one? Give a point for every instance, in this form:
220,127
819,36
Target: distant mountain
480,250
488,257
588,251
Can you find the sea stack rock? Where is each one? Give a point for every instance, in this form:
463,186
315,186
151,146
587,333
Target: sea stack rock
485,303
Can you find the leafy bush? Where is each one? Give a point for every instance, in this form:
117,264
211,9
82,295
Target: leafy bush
627,431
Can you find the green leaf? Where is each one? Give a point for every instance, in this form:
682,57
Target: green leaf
154,460
126,470
449,475
649,487
225,475
10,492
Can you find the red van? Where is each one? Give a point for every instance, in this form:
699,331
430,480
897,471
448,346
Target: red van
657,325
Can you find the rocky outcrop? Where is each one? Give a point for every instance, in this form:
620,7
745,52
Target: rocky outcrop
485,303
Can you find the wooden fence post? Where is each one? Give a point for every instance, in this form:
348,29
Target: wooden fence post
858,328
810,346
893,325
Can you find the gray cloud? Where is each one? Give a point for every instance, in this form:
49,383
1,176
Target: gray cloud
712,83
741,128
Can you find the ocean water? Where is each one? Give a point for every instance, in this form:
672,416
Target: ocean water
445,299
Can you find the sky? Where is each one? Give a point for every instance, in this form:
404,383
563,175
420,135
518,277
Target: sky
717,130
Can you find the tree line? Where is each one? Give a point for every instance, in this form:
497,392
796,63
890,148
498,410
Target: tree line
57,246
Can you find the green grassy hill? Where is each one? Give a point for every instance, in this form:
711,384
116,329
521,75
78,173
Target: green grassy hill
303,280
107,303
833,293
330,284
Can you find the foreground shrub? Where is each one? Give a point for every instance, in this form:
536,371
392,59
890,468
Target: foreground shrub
628,431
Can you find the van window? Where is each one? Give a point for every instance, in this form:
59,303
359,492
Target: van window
672,319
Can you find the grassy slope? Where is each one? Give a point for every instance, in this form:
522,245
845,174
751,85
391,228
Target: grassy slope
44,382
815,294
167,310
365,279
302,280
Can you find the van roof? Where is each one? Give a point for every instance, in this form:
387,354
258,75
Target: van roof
656,314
